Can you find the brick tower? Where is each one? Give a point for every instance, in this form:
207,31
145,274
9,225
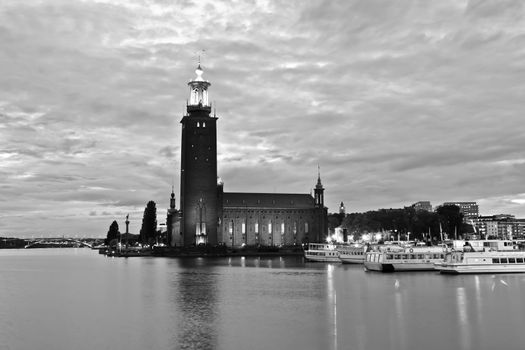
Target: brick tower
199,203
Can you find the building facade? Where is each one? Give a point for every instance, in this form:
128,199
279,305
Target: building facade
210,216
271,219
422,205
470,210
501,226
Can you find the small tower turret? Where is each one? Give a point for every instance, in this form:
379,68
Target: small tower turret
172,199
342,209
319,191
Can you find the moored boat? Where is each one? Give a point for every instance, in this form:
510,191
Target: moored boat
352,254
409,259
323,252
463,262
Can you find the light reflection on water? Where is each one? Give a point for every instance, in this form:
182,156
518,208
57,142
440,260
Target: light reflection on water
77,299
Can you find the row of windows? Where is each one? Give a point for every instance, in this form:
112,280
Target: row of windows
263,217
294,211
322,253
507,260
415,256
255,227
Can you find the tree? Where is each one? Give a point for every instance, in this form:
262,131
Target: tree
334,220
113,233
149,224
396,221
451,219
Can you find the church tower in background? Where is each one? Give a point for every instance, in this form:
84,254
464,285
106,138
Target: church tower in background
198,191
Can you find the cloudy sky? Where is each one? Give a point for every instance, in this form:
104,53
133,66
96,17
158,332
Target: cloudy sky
397,101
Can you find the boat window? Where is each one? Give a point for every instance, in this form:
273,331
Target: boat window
519,260
389,256
504,260
495,260
512,260
397,256
420,256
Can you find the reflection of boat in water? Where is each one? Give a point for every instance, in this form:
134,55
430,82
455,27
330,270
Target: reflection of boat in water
409,259
325,252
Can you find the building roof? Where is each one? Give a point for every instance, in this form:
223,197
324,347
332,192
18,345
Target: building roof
267,200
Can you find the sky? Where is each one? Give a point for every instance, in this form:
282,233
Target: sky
395,102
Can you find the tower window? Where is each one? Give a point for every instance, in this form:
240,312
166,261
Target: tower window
203,124
198,124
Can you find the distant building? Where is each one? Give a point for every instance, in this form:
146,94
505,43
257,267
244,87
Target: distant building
502,226
423,205
470,210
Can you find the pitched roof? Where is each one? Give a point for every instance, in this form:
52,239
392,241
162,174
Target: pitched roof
267,200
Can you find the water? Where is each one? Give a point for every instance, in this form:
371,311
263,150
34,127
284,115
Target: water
78,299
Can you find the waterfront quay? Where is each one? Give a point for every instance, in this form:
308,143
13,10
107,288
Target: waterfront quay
202,251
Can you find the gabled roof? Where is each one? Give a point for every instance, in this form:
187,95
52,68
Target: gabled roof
267,200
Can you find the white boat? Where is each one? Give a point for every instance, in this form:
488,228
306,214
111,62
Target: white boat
477,246
355,253
409,259
325,252
460,262
482,244
352,254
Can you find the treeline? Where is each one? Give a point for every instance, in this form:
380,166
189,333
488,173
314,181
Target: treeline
148,231
419,224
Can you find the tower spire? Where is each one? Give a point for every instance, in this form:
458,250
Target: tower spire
319,184
172,199
319,190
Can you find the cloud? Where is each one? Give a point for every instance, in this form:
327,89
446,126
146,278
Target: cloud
396,101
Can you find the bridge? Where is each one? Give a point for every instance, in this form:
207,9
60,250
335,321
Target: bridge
56,243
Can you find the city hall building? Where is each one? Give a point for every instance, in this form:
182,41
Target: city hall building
210,216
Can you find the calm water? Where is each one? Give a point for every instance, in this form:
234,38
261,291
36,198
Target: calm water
78,299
